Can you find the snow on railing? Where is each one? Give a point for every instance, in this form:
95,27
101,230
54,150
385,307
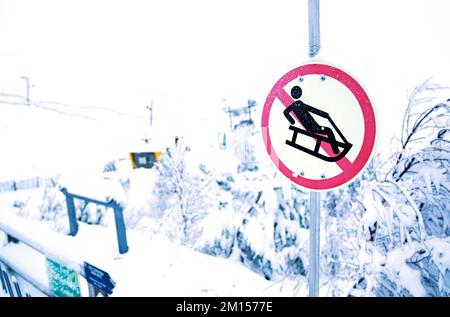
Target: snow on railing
95,186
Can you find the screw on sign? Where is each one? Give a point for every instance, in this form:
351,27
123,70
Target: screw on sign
319,126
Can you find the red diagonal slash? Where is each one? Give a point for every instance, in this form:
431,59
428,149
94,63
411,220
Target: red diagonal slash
287,100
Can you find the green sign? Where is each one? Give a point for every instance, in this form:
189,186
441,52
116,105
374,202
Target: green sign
62,280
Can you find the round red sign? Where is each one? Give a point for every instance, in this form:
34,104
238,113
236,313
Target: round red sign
319,126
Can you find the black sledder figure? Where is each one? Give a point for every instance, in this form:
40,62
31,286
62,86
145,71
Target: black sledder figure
312,129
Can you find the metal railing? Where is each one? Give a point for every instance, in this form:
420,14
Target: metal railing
11,286
118,216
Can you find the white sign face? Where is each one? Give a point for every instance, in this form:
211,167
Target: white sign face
319,126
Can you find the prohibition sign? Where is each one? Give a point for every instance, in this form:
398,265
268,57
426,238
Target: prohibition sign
319,126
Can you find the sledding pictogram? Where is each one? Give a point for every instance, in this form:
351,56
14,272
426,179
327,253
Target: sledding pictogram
313,130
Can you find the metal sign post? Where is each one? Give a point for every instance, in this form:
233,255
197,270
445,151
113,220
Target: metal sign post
314,243
314,27
314,198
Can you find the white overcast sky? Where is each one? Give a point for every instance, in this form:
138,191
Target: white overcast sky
117,53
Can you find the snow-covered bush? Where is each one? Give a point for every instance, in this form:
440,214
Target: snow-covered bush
273,234
415,193
45,203
265,227
343,209
219,228
53,209
390,236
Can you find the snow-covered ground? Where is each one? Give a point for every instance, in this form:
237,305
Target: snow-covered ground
152,267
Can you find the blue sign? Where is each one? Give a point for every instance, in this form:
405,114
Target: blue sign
99,278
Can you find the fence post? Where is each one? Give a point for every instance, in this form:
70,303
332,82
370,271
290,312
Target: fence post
1,278
71,212
120,227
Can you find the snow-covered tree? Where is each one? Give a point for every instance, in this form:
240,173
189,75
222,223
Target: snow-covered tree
243,146
185,194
